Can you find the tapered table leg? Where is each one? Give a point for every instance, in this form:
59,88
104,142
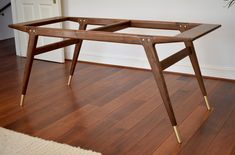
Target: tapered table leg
76,54
32,43
195,64
159,78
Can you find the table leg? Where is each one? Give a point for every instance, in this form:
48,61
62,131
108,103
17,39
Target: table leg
159,78
32,43
195,64
76,54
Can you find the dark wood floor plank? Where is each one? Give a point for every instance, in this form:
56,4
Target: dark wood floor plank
181,114
153,91
224,142
187,93
188,127
223,106
97,115
113,111
41,94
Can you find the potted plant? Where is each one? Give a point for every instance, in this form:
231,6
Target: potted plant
230,3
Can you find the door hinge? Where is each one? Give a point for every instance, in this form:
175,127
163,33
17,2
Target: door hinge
54,1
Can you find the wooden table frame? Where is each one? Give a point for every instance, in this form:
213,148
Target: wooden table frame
105,33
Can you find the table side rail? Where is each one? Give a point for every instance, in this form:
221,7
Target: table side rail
103,36
198,31
39,22
104,33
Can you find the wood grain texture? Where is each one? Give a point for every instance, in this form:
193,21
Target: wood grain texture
169,61
193,30
77,49
198,31
32,43
157,70
118,111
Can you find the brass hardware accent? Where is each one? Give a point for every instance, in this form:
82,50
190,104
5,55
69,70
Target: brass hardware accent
177,134
207,103
22,100
69,81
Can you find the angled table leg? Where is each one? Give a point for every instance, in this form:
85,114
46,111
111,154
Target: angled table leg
32,43
76,54
195,64
159,78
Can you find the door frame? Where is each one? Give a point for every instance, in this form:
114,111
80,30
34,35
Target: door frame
16,33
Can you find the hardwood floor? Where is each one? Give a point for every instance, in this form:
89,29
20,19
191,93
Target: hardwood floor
115,110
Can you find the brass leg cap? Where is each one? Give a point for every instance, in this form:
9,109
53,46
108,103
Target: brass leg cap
207,103
69,81
22,100
177,134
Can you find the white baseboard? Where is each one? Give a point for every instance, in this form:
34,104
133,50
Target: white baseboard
211,71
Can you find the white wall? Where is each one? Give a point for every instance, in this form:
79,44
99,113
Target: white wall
216,51
5,31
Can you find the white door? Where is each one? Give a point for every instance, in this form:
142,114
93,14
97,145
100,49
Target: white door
28,10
